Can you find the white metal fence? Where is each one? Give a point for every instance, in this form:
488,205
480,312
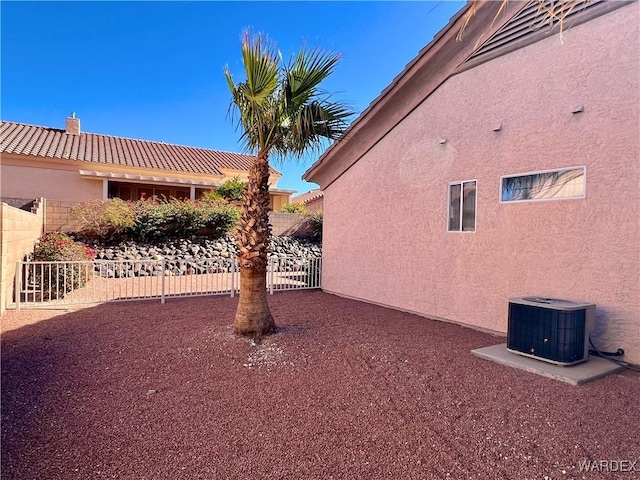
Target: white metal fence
47,284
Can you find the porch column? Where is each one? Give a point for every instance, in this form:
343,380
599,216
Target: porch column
105,189
192,192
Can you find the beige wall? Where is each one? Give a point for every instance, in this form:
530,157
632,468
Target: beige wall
289,224
57,179
244,176
277,201
400,253
19,231
58,217
63,186
30,182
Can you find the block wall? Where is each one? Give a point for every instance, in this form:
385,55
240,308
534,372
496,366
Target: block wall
58,216
19,231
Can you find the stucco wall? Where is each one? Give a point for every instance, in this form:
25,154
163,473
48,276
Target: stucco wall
314,205
56,184
19,231
400,254
278,201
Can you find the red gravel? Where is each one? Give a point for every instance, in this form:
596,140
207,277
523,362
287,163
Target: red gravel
346,390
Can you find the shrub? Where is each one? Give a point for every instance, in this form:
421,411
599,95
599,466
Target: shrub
177,218
152,220
231,190
149,220
298,207
56,280
212,195
156,221
104,219
219,217
315,219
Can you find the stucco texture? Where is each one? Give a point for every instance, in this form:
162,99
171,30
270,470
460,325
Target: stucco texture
58,183
19,231
386,238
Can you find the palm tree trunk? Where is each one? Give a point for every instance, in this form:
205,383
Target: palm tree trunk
253,316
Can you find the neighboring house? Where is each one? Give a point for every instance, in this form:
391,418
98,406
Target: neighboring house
71,166
312,200
500,165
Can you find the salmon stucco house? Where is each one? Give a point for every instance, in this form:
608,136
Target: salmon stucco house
312,200
502,164
70,165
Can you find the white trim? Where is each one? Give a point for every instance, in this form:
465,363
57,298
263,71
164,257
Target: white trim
279,190
202,282
475,209
105,189
551,170
131,178
192,192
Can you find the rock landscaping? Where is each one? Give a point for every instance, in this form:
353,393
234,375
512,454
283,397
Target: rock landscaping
195,256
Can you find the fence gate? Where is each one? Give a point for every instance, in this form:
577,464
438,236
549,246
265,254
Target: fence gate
50,284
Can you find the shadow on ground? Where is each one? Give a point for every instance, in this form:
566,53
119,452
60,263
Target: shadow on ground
345,390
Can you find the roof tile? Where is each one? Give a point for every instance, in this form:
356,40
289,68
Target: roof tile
23,139
308,196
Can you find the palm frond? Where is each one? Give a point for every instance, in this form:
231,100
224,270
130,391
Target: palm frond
260,59
312,124
305,74
281,107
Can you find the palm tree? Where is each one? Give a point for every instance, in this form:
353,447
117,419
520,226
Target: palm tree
280,110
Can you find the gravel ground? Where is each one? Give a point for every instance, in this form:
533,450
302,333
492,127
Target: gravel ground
346,390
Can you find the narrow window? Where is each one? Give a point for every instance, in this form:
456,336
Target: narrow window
462,206
546,185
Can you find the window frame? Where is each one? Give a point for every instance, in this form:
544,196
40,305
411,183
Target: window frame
475,206
536,172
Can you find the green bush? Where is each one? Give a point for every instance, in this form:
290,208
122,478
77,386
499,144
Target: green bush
211,195
315,220
104,219
167,219
219,217
156,221
177,218
153,220
231,190
56,280
298,207
150,217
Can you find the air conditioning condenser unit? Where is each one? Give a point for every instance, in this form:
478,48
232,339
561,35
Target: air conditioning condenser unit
550,329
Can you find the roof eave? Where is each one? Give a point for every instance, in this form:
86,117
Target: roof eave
433,65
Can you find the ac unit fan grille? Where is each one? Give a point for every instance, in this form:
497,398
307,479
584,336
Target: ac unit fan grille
551,334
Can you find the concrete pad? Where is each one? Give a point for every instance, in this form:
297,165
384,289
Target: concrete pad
593,368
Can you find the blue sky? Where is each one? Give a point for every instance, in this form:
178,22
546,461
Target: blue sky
154,70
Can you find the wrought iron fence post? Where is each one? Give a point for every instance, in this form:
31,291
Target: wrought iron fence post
162,293
18,285
234,268
30,279
270,266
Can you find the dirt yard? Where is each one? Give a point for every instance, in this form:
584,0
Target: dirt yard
346,390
